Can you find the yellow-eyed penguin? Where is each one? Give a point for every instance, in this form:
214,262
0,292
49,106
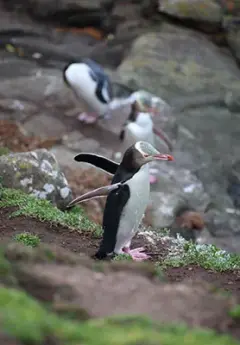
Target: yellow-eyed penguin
93,88
128,197
91,85
139,126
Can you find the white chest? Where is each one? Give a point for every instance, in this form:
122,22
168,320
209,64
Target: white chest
133,211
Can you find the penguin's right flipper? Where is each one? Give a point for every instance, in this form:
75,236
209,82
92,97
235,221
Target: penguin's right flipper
96,193
114,207
98,161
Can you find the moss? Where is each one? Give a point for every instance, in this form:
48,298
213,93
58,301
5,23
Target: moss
27,239
235,312
24,165
4,151
29,322
44,211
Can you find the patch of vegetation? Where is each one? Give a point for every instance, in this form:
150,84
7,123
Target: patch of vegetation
44,211
235,312
29,322
4,151
207,256
122,257
27,239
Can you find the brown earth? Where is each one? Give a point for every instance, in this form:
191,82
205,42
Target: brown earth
54,273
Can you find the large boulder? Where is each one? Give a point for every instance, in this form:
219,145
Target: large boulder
198,10
37,173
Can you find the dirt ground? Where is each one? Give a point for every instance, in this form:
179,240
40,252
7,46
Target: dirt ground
85,243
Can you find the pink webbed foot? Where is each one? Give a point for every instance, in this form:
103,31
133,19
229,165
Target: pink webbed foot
88,118
136,253
153,179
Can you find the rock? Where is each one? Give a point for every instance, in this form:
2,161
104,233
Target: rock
197,10
176,188
232,101
188,223
234,184
176,62
15,109
45,126
44,8
233,35
37,173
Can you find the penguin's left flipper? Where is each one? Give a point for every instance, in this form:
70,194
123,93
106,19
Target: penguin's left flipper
98,161
96,193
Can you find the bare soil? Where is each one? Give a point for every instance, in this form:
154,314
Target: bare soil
86,243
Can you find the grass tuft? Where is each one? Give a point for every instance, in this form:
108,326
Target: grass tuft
235,312
27,239
43,210
122,257
207,256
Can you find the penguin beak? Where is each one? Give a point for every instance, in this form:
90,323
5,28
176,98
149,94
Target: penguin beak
163,157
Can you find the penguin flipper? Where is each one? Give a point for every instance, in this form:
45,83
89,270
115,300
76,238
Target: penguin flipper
98,161
115,204
96,193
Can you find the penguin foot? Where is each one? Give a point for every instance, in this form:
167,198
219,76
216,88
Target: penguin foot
136,253
152,179
88,118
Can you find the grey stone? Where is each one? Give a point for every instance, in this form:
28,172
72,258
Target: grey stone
45,126
175,188
198,10
232,101
176,62
37,173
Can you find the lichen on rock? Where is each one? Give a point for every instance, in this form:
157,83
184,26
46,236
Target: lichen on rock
37,173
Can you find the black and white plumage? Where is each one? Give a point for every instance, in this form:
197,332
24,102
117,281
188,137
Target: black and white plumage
128,197
140,127
92,87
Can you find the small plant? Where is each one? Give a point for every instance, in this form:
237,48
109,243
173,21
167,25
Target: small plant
27,239
235,312
207,256
30,206
122,257
4,151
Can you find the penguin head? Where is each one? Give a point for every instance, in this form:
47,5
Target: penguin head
144,153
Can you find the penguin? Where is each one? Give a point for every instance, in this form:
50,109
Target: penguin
139,126
127,197
91,86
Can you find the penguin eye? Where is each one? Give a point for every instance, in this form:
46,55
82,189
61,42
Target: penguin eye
145,155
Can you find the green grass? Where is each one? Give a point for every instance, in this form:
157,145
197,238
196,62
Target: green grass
122,257
44,211
29,322
206,255
235,312
4,151
27,239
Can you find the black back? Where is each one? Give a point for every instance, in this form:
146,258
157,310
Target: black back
131,118
98,161
98,74
116,201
